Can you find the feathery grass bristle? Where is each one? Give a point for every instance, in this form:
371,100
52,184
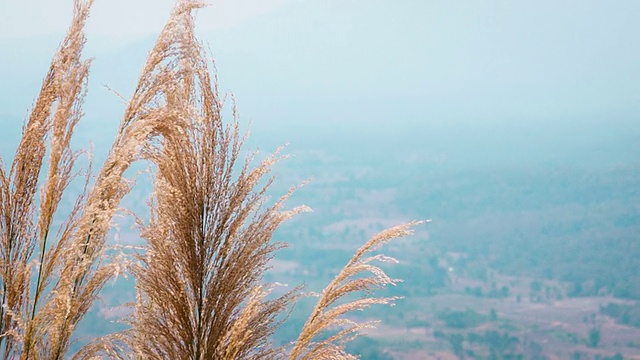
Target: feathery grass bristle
358,275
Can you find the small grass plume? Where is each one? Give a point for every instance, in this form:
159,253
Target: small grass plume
199,279
358,276
26,225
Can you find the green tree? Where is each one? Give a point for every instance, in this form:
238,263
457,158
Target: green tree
493,315
456,341
594,337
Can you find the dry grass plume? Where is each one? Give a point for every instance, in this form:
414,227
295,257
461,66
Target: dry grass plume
358,276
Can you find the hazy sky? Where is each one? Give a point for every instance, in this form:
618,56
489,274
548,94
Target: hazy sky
120,20
369,60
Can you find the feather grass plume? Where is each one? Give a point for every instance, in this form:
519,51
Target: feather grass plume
327,314
26,225
208,241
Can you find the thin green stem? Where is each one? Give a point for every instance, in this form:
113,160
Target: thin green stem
27,347
37,294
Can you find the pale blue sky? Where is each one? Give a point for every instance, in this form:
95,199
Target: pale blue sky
379,62
134,18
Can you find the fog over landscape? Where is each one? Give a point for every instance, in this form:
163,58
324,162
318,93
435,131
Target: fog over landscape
513,126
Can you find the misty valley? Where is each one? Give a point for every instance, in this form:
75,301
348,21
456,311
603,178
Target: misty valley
532,258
